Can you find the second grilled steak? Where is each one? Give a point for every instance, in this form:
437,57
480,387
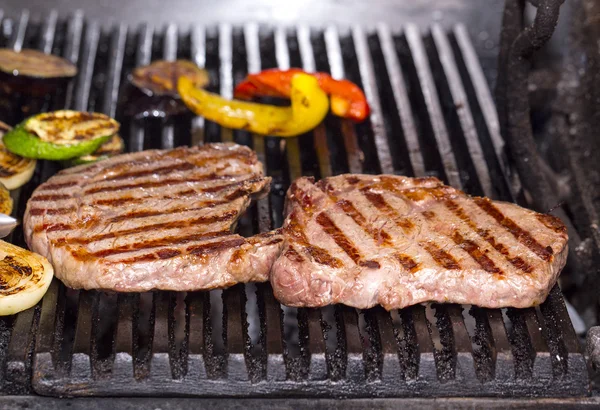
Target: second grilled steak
363,240
153,220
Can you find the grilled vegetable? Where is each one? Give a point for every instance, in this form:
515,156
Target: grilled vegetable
113,147
27,78
35,64
6,202
160,77
14,170
152,89
60,135
24,277
309,105
347,99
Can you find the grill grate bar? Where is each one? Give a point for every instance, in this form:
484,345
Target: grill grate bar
81,356
226,70
169,54
84,80
236,363
427,85
336,67
49,30
403,106
319,133
18,355
117,49
367,75
16,42
142,58
459,98
123,359
161,349
198,54
485,102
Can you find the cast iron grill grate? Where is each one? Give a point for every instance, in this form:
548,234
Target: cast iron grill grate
432,114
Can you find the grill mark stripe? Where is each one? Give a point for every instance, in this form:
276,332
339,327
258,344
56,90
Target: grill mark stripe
553,223
156,243
165,170
407,262
50,197
439,255
339,237
56,186
521,234
147,214
169,182
379,235
50,211
227,216
472,249
318,254
114,202
384,207
516,261
213,247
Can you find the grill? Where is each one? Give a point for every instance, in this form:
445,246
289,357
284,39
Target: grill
432,114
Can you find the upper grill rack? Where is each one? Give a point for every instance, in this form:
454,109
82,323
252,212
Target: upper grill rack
432,114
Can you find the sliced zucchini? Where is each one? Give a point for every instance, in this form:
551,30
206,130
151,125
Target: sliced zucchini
15,171
160,77
6,202
24,277
60,135
33,63
113,147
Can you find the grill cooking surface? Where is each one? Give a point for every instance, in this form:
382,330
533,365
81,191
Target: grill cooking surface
432,114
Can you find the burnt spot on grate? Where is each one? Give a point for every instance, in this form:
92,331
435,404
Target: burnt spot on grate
429,117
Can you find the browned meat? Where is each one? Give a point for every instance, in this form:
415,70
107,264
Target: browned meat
153,220
364,240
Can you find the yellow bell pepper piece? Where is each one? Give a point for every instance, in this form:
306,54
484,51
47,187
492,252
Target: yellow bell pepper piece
309,106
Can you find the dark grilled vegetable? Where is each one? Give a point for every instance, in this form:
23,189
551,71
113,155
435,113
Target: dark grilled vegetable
152,91
27,79
35,64
60,135
160,77
15,171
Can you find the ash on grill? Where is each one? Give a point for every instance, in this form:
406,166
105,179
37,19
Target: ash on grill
432,114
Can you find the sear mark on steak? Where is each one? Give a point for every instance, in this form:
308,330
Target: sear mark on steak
364,240
158,219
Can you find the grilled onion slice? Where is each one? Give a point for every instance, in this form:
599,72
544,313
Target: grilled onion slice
15,171
6,202
24,278
60,135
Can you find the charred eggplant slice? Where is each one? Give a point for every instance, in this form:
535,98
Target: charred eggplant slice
160,78
60,135
15,170
29,79
152,89
35,64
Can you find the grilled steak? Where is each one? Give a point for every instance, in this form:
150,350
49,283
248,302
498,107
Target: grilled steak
153,220
364,240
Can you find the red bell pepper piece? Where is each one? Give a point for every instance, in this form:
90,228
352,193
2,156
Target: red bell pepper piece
347,99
